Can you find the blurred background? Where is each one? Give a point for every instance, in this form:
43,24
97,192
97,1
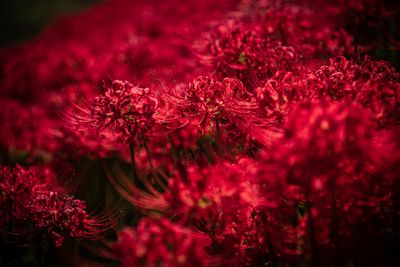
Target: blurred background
21,20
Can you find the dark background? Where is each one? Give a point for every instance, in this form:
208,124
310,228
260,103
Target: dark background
21,20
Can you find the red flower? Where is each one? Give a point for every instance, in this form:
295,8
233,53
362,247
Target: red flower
160,243
208,100
31,198
244,49
373,84
128,110
341,166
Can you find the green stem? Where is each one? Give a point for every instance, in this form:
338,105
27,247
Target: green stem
395,222
153,170
133,162
270,245
310,227
218,136
334,234
156,180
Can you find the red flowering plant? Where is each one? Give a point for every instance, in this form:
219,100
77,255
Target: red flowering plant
349,185
373,84
160,243
32,201
225,133
128,110
220,108
241,49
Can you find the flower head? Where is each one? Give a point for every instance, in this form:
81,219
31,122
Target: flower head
31,198
208,99
128,110
244,49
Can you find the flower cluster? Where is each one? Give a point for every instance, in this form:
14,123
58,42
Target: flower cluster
228,133
241,48
373,84
340,166
30,198
160,243
207,99
127,109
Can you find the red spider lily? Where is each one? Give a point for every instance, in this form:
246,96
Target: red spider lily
30,198
305,28
79,134
134,48
76,59
16,185
241,48
373,84
160,243
252,236
240,241
276,146
31,128
207,100
277,95
128,110
256,49
335,135
341,165
200,194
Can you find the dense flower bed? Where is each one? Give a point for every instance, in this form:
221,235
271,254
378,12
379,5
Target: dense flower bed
203,133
